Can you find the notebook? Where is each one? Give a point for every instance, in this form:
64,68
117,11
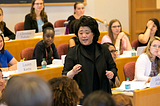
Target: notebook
25,34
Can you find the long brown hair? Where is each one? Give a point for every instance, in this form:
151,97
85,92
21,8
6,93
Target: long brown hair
1,23
110,33
33,14
3,44
147,51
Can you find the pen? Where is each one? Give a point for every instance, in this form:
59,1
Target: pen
23,59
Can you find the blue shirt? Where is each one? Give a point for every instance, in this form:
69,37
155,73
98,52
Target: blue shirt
5,58
40,23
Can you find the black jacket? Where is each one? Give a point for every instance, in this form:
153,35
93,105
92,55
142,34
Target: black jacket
103,62
29,23
8,33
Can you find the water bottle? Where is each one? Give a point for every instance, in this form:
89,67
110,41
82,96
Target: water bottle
118,53
133,52
127,85
43,63
66,24
105,26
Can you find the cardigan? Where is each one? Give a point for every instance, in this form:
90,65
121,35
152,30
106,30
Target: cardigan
142,68
29,23
8,33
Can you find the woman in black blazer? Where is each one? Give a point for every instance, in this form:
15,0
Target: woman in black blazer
4,30
37,17
89,63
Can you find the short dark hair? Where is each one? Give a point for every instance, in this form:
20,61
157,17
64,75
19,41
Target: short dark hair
47,26
99,98
66,91
108,44
89,22
27,90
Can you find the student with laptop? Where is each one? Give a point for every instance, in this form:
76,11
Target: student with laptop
4,30
152,29
148,63
37,17
6,57
46,48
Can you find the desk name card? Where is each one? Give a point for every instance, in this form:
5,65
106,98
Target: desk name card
60,31
155,81
25,34
27,66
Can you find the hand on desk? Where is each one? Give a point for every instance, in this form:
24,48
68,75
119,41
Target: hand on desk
109,74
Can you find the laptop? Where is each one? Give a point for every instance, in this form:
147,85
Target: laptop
140,50
25,34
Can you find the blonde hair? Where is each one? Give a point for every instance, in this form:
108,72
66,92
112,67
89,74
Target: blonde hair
147,51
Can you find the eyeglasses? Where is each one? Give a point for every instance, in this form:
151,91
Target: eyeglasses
116,26
38,3
155,46
113,51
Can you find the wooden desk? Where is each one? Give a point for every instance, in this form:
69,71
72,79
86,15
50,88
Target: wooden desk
46,73
16,46
120,62
147,97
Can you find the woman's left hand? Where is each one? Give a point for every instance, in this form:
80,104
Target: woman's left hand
109,74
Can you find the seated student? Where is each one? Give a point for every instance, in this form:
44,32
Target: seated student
6,57
27,90
116,36
46,48
37,17
99,98
113,52
4,30
65,91
152,29
78,12
74,40
122,100
148,63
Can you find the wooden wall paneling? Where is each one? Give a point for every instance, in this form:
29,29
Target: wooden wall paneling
145,3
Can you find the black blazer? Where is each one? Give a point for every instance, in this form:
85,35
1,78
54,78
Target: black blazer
8,33
103,62
29,23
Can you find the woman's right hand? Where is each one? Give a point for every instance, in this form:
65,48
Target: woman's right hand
150,24
76,69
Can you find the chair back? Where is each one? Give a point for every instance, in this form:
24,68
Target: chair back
62,49
135,44
27,53
19,27
129,70
59,23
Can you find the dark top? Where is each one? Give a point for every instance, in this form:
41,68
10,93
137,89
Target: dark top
29,23
90,70
8,33
75,40
70,19
40,52
142,44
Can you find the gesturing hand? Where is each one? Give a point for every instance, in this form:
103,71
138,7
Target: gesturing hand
77,68
150,24
109,74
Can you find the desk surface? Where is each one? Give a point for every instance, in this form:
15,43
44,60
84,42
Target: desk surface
46,73
16,46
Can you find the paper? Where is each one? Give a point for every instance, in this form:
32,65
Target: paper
53,65
27,65
133,85
57,62
8,73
